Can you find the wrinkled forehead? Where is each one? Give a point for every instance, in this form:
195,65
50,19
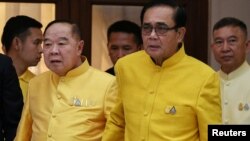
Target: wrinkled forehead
62,29
161,13
58,32
230,31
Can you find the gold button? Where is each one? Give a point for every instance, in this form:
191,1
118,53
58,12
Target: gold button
226,102
59,96
226,121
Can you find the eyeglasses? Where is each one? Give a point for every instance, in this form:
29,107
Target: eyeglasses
160,29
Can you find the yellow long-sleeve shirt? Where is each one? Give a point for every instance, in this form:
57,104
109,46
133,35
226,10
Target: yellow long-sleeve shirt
70,108
24,82
172,102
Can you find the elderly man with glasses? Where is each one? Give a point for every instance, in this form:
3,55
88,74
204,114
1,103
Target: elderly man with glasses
165,94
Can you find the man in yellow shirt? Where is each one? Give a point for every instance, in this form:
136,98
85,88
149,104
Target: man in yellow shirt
165,95
21,39
72,101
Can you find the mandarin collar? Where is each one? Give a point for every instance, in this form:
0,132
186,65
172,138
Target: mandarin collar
234,74
76,71
174,59
26,76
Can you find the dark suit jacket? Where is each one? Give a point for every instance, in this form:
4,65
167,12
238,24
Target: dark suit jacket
11,99
111,71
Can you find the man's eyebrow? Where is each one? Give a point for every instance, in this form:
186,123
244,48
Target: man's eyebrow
161,23
46,39
232,36
60,38
63,38
220,38
38,39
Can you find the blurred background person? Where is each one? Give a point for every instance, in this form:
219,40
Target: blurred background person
21,40
230,47
124,37
11,99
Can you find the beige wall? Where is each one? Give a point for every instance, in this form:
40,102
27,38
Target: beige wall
223,8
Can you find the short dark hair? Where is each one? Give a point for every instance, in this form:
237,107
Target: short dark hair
126,27
75,28
179,17
230,21
18,26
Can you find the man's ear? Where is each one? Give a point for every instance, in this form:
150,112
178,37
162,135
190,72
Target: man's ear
16,43
248,46
212,45
4,49
181,33
80,46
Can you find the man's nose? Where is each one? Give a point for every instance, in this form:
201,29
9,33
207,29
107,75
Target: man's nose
54,49
120,53
225,46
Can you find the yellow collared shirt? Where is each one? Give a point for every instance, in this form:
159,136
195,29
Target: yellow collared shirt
24,82
70,108
172,102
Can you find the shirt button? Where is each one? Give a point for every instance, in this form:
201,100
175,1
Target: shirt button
226,121
53,115
226,102
49,135
145,114
228,84
151,92
59,96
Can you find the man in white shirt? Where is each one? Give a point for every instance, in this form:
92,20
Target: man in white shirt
230,46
